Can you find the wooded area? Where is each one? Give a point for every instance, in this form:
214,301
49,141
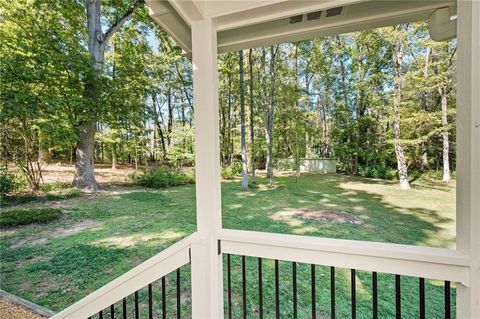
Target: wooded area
381,102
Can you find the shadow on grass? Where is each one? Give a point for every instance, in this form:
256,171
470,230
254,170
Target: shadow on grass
272,210
136,223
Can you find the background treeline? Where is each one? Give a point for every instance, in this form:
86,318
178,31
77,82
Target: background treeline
141,106
379,101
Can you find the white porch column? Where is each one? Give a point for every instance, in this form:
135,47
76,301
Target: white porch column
207,291
468,152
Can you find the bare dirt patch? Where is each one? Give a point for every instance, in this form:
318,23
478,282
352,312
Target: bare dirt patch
104,175
76,228
340,217
44,237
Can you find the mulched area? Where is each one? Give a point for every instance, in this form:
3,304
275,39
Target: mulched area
11,311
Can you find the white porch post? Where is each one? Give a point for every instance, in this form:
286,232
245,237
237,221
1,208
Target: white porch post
207,291
468,152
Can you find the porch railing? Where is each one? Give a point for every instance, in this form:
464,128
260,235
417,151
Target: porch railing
296,289
142,292
146,291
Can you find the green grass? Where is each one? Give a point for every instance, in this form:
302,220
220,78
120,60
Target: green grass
15,217
100,237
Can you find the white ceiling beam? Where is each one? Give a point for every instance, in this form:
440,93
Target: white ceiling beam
187,9
243,30
217,8
356,17
277,11
168,18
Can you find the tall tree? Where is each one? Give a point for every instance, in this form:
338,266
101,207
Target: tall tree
97,41
442,90
270,116
242,122
442,59
397,52
252,116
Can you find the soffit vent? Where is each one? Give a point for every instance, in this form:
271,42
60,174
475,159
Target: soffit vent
296,19
334,12
314,15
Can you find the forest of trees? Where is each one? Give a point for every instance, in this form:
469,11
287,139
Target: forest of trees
72,88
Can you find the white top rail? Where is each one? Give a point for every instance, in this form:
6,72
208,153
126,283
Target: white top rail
147,272
424,262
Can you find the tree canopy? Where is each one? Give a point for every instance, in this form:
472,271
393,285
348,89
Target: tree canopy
339,97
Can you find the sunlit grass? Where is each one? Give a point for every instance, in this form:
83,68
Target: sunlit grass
100,237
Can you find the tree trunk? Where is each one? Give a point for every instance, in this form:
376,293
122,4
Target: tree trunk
97,40
170,117
84,166
397,90
271,117
114,155
223,135
231,115
359,110
44,155
158,124
72,154
426,94
242,122
446,145
252,117
424,157
84,175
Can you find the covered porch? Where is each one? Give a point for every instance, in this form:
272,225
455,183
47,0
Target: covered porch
204,29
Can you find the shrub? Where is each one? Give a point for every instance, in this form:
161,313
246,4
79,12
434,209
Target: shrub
381,172
8,184
55,186
231,171
15,217
226,173
58,191
385,173
161,177
63,194
286,164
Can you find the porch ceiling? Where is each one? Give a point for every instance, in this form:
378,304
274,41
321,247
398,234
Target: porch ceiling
253,23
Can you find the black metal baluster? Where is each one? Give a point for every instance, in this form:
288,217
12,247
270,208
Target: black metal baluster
150,304
124,308
164,299
374,295
354,293
314,292
421,293
277,290
332,293
100,314
244,288
398,297
137,314
260,289
229,286
294,283
178,294
112,312
448,312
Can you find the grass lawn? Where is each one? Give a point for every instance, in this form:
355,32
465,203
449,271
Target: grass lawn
100,237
